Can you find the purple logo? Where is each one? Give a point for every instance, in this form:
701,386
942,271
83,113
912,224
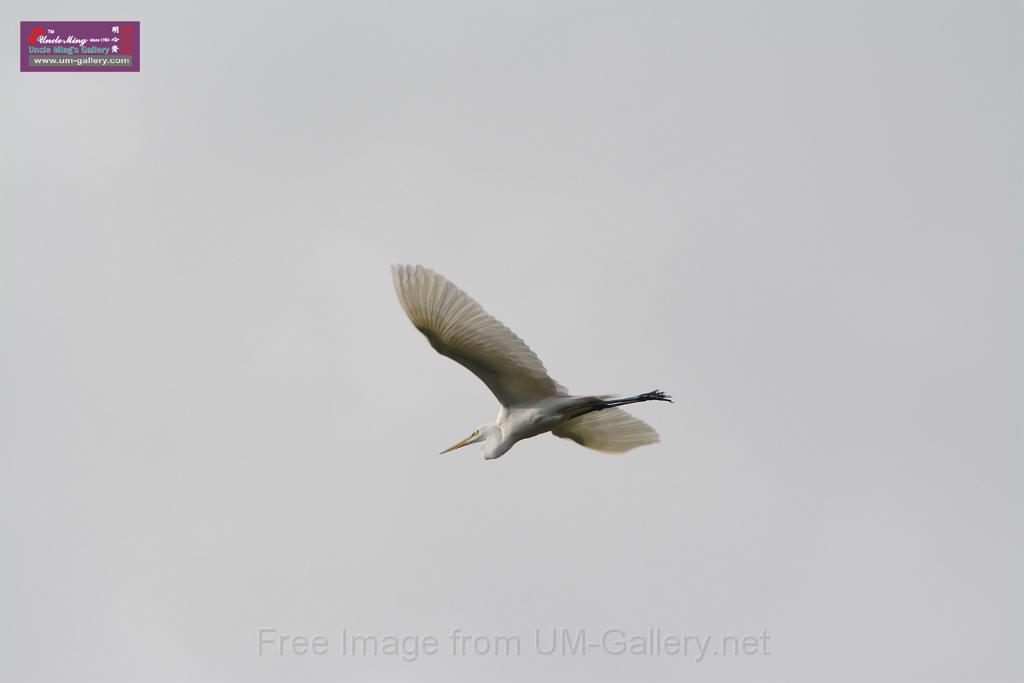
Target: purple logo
79,46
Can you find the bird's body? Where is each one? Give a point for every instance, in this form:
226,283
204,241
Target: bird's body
522,422
531,402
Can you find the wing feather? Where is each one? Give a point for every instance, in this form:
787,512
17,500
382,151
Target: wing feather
612,430
458,327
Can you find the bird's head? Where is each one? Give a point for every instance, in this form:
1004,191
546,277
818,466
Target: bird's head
481,433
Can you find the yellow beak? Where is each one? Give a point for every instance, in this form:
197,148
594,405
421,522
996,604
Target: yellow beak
459,444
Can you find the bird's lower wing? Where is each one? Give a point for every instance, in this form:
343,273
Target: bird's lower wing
458,327
612,430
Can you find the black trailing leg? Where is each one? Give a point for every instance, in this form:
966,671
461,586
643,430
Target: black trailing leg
601,404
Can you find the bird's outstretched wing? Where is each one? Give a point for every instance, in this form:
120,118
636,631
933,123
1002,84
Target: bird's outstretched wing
459,328
612,430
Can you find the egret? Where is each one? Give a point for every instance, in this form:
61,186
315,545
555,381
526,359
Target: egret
531,402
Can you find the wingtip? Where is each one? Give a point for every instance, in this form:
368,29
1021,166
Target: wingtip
398,269
409,270
404,272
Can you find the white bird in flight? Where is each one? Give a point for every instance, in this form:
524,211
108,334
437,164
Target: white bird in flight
531,402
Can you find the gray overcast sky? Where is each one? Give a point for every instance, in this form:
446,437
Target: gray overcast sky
802,219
